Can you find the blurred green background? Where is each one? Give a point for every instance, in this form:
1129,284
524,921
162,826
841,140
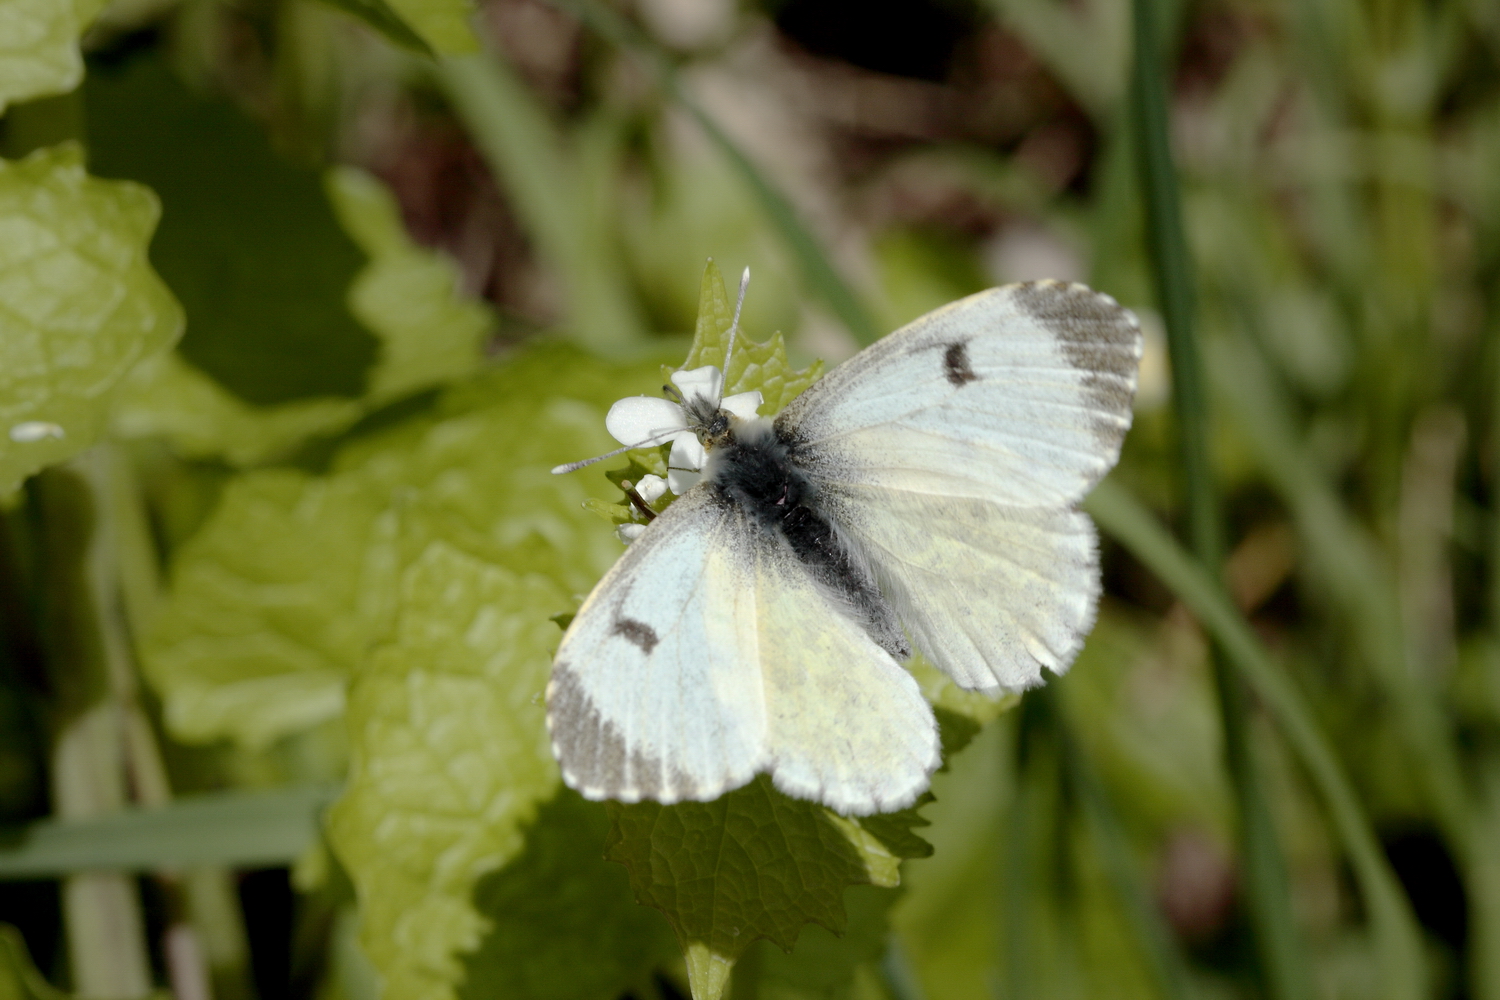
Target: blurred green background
413,249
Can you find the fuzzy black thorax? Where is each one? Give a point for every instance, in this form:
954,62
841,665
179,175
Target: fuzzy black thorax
753,467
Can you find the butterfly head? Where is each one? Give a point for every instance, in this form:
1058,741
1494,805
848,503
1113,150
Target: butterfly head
695,417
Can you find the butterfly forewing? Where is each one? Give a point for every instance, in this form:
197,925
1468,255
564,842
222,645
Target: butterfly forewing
656,689
1020,395
953,453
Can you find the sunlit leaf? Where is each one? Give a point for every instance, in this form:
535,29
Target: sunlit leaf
39,46
451,760
408,296
167,397
81,305
271,605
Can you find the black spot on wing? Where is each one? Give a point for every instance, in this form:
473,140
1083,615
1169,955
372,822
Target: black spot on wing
956,364
637,632
1098,337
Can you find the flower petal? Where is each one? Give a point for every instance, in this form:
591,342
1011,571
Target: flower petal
706,382
651,488
688,456
628,533
687,452
743,404
682,480
644,420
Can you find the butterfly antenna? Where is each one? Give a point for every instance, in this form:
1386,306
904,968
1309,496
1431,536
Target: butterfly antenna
734,327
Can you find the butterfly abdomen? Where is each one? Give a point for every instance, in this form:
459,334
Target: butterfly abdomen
755,470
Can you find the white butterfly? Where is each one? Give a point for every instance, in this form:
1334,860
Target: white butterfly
923,493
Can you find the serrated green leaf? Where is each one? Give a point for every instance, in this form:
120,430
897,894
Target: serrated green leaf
39,47
271,605
277,600
751,864
79,305
166,397
408,296
563,923
281,593
824,966
960,714
754,365
451,760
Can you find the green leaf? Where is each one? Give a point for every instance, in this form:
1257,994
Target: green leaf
278,600
751,864
248,240
271,605
281,593
39,47
408,296
81,305
754,365
430,334
825,966
563,924
167,397
451,760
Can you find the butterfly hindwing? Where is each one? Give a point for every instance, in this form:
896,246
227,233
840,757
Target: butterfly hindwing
709,653
846,724
991,593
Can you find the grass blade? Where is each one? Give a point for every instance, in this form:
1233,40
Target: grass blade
1279,945
1355,575
231,829
1397,938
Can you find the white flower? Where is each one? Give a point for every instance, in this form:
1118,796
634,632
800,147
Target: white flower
643,421
629,531
651,487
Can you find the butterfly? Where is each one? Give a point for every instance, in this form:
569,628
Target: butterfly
921,495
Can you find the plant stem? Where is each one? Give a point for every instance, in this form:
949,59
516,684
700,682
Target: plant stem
101,911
